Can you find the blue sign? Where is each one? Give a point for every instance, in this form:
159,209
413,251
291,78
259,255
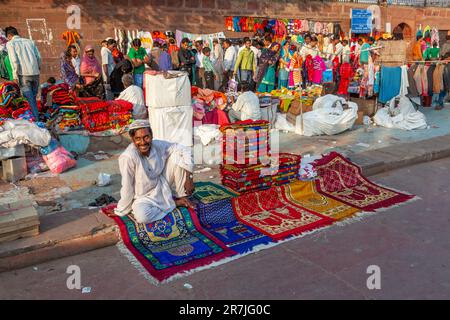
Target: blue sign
361,21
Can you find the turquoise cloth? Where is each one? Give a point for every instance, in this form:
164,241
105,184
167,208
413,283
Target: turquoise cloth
74,142
364,55
391,78
268,82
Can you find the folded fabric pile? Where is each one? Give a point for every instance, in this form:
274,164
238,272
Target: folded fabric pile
94,114
120,113
284,168
12,104
205,101
69,118
61,95
247,164
246,142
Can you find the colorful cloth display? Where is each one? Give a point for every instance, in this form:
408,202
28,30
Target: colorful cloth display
271,213
69,118
343,181
173,245
245,142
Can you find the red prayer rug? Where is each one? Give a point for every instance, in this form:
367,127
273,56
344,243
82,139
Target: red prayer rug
271,213
342,180
173,245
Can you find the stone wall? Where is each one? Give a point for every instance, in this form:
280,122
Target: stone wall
98,18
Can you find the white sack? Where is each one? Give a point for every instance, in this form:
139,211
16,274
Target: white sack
15,132
207,133
162,93
282,124
326,120
172,124
403,117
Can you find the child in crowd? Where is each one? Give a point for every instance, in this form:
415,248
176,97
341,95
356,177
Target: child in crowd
210,72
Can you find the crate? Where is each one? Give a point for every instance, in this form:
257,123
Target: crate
14,169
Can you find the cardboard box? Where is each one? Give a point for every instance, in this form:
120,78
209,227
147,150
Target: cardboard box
18,220
367,106
17,151
359,120
291,118
14,169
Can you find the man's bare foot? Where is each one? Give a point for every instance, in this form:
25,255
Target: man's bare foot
184,202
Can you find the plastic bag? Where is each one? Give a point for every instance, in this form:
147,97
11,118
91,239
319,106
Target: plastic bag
59,160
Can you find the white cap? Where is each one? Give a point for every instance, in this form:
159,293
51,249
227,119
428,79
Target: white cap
139,124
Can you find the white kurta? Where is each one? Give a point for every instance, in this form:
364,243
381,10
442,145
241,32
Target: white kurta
146,183
248,105
135,95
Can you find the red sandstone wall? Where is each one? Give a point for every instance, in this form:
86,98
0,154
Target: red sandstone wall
98,18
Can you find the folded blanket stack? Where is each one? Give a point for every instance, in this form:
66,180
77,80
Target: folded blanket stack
246,142
69,118
94,114
283,169
120,113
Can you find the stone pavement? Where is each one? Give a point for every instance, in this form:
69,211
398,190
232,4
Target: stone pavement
409,243
69,194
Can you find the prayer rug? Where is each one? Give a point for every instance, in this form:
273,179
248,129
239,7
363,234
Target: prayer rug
208,192
175,244
218,219
270,212
342,180
304,193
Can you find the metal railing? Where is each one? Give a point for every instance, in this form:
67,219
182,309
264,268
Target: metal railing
415,3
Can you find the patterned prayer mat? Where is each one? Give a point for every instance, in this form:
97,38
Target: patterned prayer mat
342,180
208,192
270,212
218,219
172,245
304,193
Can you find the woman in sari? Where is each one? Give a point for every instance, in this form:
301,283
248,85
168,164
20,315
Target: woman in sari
68,72
90,67
285,59
267,68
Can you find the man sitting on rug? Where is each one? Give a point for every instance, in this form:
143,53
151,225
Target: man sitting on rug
153,172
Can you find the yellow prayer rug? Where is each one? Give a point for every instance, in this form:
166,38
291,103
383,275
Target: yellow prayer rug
304,193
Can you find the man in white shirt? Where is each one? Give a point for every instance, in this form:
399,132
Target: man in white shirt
246,106
228,62
108,66
346,52
153,173
76,61
134,95
26,65
199,64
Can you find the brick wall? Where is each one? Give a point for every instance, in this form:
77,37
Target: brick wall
98,18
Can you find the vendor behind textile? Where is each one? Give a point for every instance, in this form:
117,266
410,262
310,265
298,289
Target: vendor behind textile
134,95
246,106
153,172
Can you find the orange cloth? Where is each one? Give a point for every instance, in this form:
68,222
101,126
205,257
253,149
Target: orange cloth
417,51
71,37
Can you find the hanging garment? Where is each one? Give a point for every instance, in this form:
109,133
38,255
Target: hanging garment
330,28
430,72
236,27
305,26
438,78
71,37
435,37
404,82
309,68
412,86
295,68
346,73
229,23
319,67
318,27
390,83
